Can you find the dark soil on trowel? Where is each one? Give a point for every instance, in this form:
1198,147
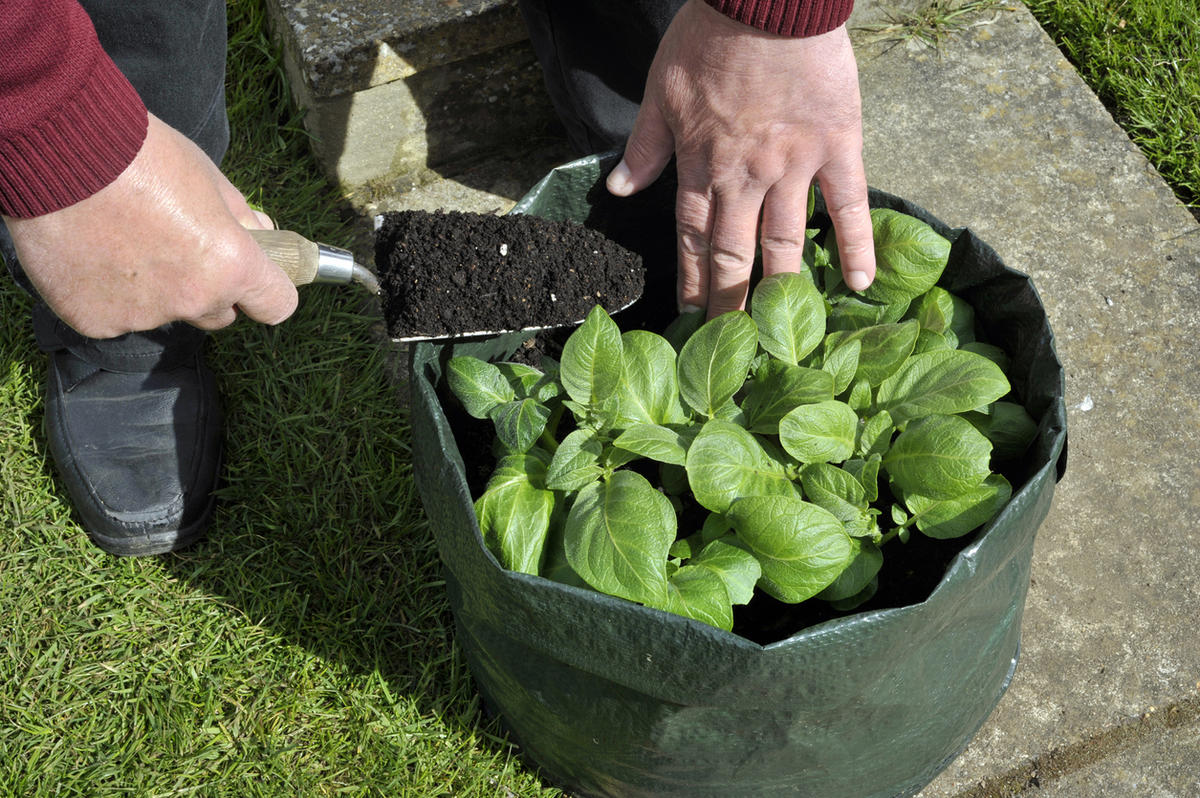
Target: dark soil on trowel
449,273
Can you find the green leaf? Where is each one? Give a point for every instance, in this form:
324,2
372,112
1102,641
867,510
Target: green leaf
576,462
514,514
714,362
940,311
683,327
719,576
790,315
858,599
990,351
835,489
852,312
819,433
840,492
952,518
876,435
664,444
715,526
940,382
842,363
673,479
801,547
867,473
520,422
591,359
778,388
681,549
527,382
725,462
930,341
859,398
555,566
868,559
618,534
909,257
938,456
699,594
738,569
1008,427
648,392
884,348
479,385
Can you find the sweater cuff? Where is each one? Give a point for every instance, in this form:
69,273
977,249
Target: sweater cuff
787,17
76,150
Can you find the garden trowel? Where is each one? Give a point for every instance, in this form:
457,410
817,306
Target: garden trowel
306,261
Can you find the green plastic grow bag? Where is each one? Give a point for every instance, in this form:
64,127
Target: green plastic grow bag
609,698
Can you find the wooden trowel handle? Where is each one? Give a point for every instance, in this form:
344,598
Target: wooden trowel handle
305,261
296,255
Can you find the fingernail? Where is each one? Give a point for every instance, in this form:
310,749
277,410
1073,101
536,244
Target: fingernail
619,180
858,281
689,309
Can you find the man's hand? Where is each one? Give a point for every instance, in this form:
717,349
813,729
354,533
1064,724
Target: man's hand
165,242
752,118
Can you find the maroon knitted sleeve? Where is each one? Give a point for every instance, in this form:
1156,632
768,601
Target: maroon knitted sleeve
69,120
787,17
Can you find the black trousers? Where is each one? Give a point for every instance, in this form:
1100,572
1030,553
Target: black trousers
595,55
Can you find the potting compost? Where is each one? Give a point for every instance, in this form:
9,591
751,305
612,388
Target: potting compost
610,698
448,273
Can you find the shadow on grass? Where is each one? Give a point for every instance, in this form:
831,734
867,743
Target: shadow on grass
319,537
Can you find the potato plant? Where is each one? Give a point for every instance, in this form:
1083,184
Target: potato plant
780,449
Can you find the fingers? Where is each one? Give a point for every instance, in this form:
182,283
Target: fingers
694,212
784,217
844,186
716,239
731,251
267,294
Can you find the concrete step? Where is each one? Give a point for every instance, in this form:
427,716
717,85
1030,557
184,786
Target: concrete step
400,93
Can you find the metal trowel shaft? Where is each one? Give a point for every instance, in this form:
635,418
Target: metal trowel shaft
307,261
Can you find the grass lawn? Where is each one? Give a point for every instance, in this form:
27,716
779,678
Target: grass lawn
306,648
1142,57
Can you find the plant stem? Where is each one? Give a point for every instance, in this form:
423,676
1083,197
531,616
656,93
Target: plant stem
547,437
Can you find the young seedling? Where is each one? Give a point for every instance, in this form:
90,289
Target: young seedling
780,449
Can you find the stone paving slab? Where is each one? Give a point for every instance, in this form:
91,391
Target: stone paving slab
998,133
1164,766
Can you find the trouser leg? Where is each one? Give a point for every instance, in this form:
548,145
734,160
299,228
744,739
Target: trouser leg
133,423
595,55
173,52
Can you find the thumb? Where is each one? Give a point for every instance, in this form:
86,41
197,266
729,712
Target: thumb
267,295
648,151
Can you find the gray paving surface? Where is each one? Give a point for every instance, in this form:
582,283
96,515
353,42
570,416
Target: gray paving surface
998,133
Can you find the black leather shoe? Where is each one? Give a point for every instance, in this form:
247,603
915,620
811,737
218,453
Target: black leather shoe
134,426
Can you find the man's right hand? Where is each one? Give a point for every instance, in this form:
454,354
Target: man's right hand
166,241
